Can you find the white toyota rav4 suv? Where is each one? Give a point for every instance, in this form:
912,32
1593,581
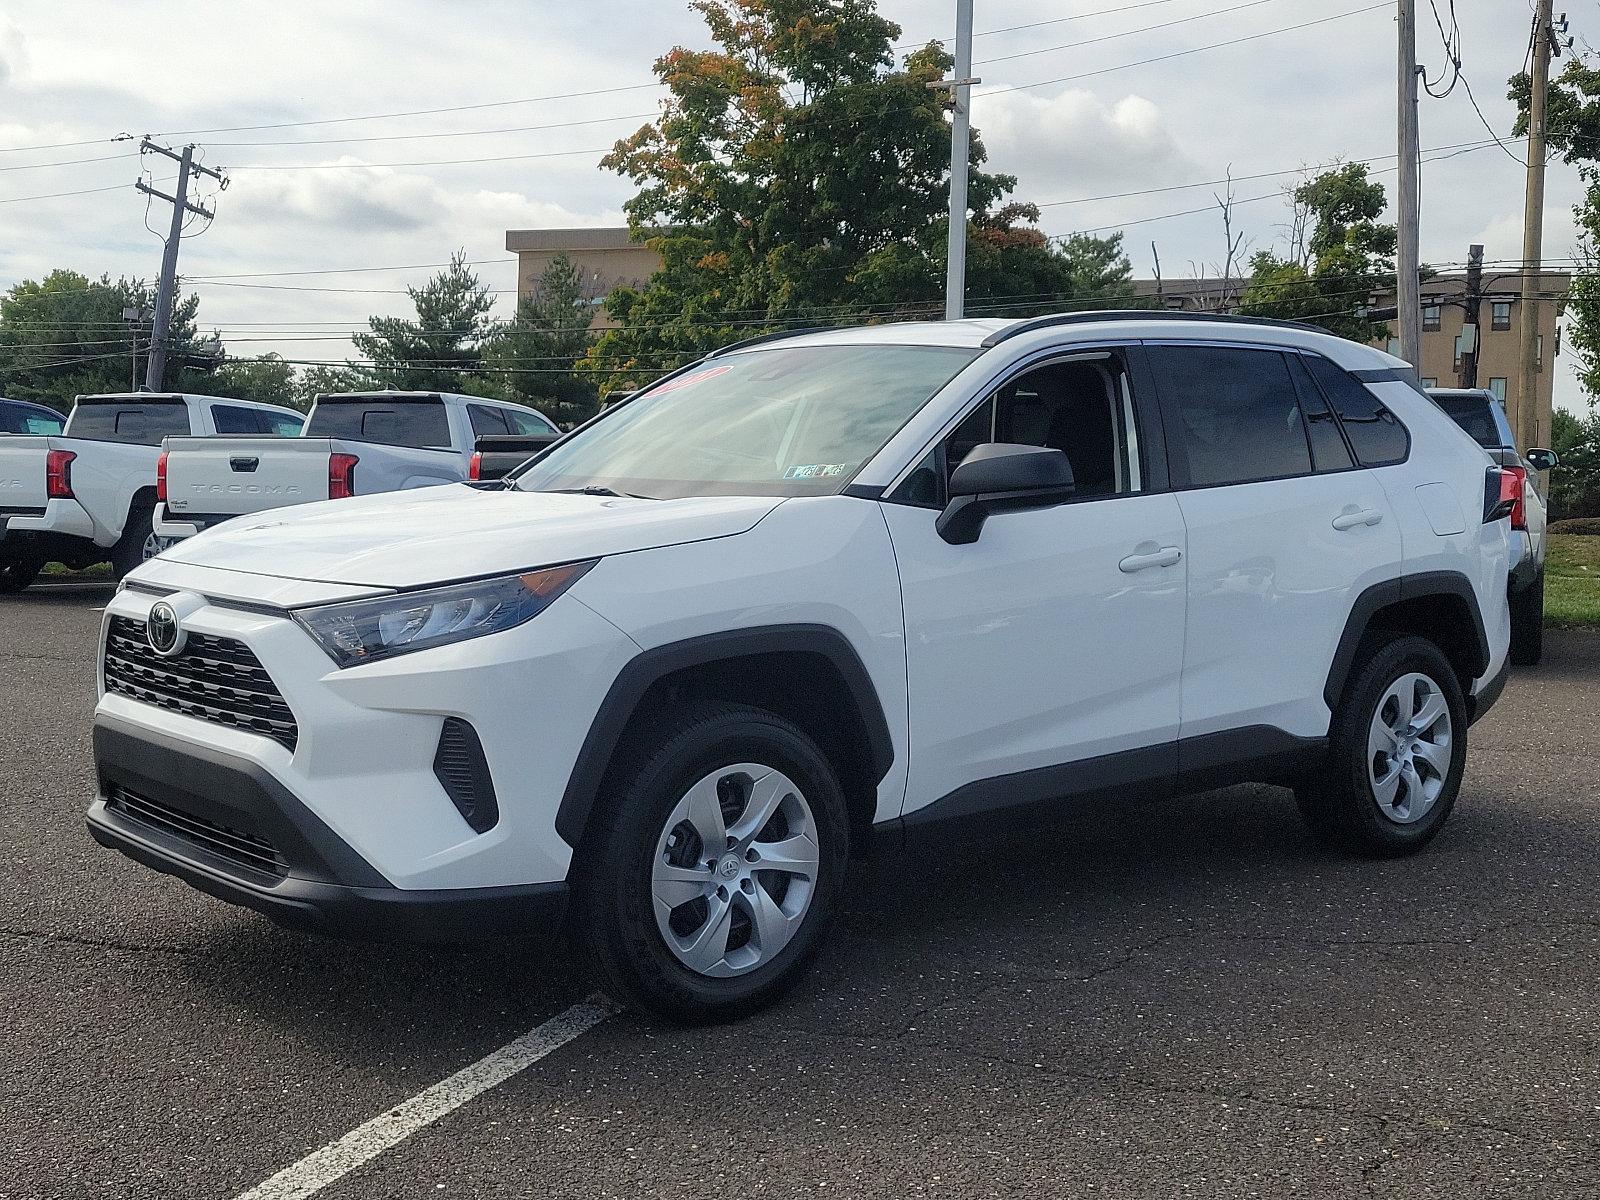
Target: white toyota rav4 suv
816,590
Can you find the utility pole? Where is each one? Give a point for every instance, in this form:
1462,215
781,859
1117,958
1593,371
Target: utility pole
1408,291
1472,327
157,363
1526,417
955,277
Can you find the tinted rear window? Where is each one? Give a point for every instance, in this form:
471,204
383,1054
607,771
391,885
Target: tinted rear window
1237,415
138,422
418,423
21,418
1476,415
1375,433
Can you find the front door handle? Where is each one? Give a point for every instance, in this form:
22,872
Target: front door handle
1167,556
1351,518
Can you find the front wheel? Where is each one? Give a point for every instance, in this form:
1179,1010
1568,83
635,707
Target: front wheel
1397,749
715,867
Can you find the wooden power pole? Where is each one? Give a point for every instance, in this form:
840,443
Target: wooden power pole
160,337
1408,281
1526,417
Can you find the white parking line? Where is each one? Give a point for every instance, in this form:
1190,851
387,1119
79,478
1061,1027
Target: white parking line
365,1142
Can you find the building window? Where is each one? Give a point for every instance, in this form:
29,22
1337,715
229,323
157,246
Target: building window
1502,316
1430,318
1498,387
1430,383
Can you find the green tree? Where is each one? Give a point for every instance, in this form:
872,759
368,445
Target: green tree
1340,253
442,349
1575,484
63,336
326,380
267,380
1572,127
798,176
533,356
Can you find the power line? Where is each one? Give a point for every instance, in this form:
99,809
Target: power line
1111,37
1144,62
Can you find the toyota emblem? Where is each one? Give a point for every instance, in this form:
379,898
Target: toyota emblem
163,632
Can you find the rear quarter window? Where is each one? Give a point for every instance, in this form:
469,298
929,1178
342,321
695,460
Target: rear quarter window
1376,434
140,423
420,424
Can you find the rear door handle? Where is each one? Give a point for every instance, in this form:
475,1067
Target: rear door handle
1355,517
1167,556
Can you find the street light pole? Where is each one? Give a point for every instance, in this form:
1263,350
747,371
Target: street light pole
1409,284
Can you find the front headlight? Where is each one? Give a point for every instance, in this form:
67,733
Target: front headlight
363,631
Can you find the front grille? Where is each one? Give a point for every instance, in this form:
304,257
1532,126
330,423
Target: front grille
216,679
244,849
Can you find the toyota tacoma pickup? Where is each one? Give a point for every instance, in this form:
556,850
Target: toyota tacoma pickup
88,495
819,591
353,444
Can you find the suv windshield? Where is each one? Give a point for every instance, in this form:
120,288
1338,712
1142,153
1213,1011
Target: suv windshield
798,421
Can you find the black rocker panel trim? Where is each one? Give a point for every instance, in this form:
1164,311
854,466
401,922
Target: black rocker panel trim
650,667
1393,591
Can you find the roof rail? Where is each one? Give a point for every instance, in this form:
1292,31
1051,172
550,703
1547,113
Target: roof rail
1135,314
768,337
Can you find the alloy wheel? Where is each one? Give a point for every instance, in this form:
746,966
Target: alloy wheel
734,870
1408,748
154,544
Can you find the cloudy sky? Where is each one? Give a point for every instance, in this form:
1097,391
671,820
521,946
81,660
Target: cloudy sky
293,99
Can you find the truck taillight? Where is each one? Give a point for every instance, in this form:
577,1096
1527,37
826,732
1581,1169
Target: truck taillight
161,477
1519,509
341,476
58,474
475,467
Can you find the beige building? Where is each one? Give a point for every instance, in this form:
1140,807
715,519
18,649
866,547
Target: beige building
609,258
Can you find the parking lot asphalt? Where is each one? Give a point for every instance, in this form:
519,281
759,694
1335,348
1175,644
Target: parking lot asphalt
1183,999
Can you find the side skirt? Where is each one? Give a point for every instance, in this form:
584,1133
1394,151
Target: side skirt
1257,754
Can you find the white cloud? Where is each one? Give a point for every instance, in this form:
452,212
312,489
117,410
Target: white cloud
1075,143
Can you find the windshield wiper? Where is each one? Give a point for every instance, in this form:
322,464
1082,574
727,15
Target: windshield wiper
597,490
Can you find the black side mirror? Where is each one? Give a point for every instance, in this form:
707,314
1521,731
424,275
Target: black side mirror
1543,460
997,477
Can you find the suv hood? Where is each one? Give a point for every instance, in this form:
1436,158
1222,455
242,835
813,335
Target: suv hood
438,534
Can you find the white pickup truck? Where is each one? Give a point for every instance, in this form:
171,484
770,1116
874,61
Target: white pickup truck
353,444
87,495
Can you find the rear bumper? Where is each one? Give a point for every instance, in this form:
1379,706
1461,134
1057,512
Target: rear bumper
166,527
63,518
205,801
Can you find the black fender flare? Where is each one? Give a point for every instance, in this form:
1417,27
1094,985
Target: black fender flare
1392,591
648,668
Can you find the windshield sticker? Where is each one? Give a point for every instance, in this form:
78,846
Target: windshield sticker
683,381
816,471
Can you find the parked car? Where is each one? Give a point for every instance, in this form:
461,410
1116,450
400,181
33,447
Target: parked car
21,417
496,456
353,444
87,496
808,593
1483,416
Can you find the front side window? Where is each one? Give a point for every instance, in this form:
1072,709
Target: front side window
784,421
282,424
524,422
419,422
1080,406
17,418
139,422
1232,413
1375,433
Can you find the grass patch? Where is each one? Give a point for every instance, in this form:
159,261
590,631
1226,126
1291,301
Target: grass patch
98,571
1572,582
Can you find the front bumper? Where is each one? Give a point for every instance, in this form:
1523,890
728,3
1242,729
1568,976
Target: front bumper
193,803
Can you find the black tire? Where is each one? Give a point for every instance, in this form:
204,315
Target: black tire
614,921
1527,624
128,552
17,571
1340,803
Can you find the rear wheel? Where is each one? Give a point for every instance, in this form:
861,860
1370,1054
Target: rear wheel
17,570
139,542
715,868
1527,624
1397,749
